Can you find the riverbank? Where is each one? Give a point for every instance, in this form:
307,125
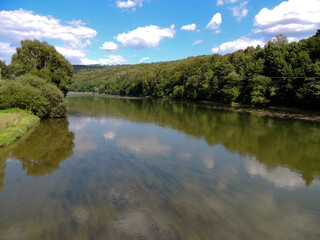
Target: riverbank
275,112
14,123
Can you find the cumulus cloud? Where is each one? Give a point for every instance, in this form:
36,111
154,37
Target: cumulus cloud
110,46
240,43
294,18
215,22
197,42
240,11
21,24
145,37
87,61
72,55
111,60
189,27
142,60
6,51
129,3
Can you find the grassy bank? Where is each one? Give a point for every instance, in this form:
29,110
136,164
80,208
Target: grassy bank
14,123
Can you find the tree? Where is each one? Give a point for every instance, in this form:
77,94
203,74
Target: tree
317,33
280,40
43,60
3,70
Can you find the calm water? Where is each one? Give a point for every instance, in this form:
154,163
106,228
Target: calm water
147,169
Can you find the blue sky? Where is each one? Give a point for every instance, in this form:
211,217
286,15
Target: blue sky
133,31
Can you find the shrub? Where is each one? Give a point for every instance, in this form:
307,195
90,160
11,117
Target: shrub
34,94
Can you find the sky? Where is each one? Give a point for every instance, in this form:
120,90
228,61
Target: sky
142,31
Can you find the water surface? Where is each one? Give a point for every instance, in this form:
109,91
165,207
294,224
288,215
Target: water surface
155,169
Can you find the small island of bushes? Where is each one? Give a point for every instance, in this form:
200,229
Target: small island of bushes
33,86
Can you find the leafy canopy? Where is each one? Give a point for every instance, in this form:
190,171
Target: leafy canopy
42,60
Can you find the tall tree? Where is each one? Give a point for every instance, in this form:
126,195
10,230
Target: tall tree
280,40
42,59
3,70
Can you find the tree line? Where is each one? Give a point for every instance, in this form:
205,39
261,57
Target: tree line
37,80
277,74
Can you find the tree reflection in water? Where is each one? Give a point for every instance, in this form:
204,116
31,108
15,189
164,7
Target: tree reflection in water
273,142
42,150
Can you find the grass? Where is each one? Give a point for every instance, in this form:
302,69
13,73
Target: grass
14,123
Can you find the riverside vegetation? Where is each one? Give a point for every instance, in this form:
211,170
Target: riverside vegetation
279,74
15,123
37,81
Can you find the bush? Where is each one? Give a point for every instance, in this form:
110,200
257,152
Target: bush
34,94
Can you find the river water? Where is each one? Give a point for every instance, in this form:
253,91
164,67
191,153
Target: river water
157,169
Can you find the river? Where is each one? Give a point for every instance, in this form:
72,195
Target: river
157,169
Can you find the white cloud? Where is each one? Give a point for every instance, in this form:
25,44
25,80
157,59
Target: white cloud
112,59
221,2
78,57
294,18
240,11
110,135
21,24
142,60
110,46
145,37
86,61
129,3
189,27
208,160
6,51
280,177
72,55
215,22
240,43
142,145
197,42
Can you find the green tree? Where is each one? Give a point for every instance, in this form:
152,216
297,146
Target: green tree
260,90
317,33
43,60
3,70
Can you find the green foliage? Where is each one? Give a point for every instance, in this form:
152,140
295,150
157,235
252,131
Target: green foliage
14,123
3,70
260,90
42,60
34,94
280,74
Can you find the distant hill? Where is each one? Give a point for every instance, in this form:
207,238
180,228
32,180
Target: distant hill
279,74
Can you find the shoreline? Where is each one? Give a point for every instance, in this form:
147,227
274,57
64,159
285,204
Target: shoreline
14,124
273,112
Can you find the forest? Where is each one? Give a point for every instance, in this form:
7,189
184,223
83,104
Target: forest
278,74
